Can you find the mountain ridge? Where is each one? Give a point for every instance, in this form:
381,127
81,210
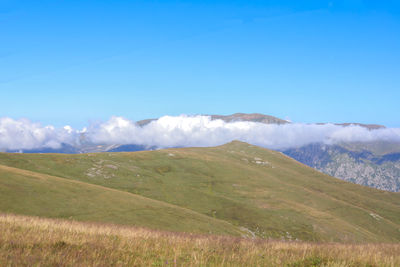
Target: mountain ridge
375,164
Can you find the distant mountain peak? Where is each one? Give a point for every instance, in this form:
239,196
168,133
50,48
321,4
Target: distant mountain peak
267,119
368,126
253,117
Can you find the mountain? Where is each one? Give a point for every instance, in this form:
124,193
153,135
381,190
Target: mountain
254,117
362,163
374,164
65,149
234,189
368,126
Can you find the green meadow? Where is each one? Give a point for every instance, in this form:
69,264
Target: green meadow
236,189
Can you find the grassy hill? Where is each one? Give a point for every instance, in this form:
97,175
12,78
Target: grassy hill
31,193
232,188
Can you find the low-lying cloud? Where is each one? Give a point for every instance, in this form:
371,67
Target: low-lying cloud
183,131
24,134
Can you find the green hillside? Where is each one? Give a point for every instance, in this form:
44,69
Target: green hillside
253,189
27,192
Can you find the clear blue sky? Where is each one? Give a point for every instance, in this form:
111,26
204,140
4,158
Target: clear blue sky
70,62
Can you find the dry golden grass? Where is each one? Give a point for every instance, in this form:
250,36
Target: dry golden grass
32,241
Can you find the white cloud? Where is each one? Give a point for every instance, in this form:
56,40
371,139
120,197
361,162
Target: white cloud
24,134
182,131
202,131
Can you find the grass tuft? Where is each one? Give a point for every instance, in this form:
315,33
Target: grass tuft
34,241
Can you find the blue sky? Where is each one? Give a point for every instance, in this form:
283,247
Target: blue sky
74,62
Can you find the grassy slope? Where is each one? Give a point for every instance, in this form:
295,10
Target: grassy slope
29,241
27,192
262,190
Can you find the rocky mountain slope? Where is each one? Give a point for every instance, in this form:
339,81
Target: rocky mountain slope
364,167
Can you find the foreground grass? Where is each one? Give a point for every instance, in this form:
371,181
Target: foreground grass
33,241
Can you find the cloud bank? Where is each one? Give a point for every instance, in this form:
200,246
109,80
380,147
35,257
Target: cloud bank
24,134
183,131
